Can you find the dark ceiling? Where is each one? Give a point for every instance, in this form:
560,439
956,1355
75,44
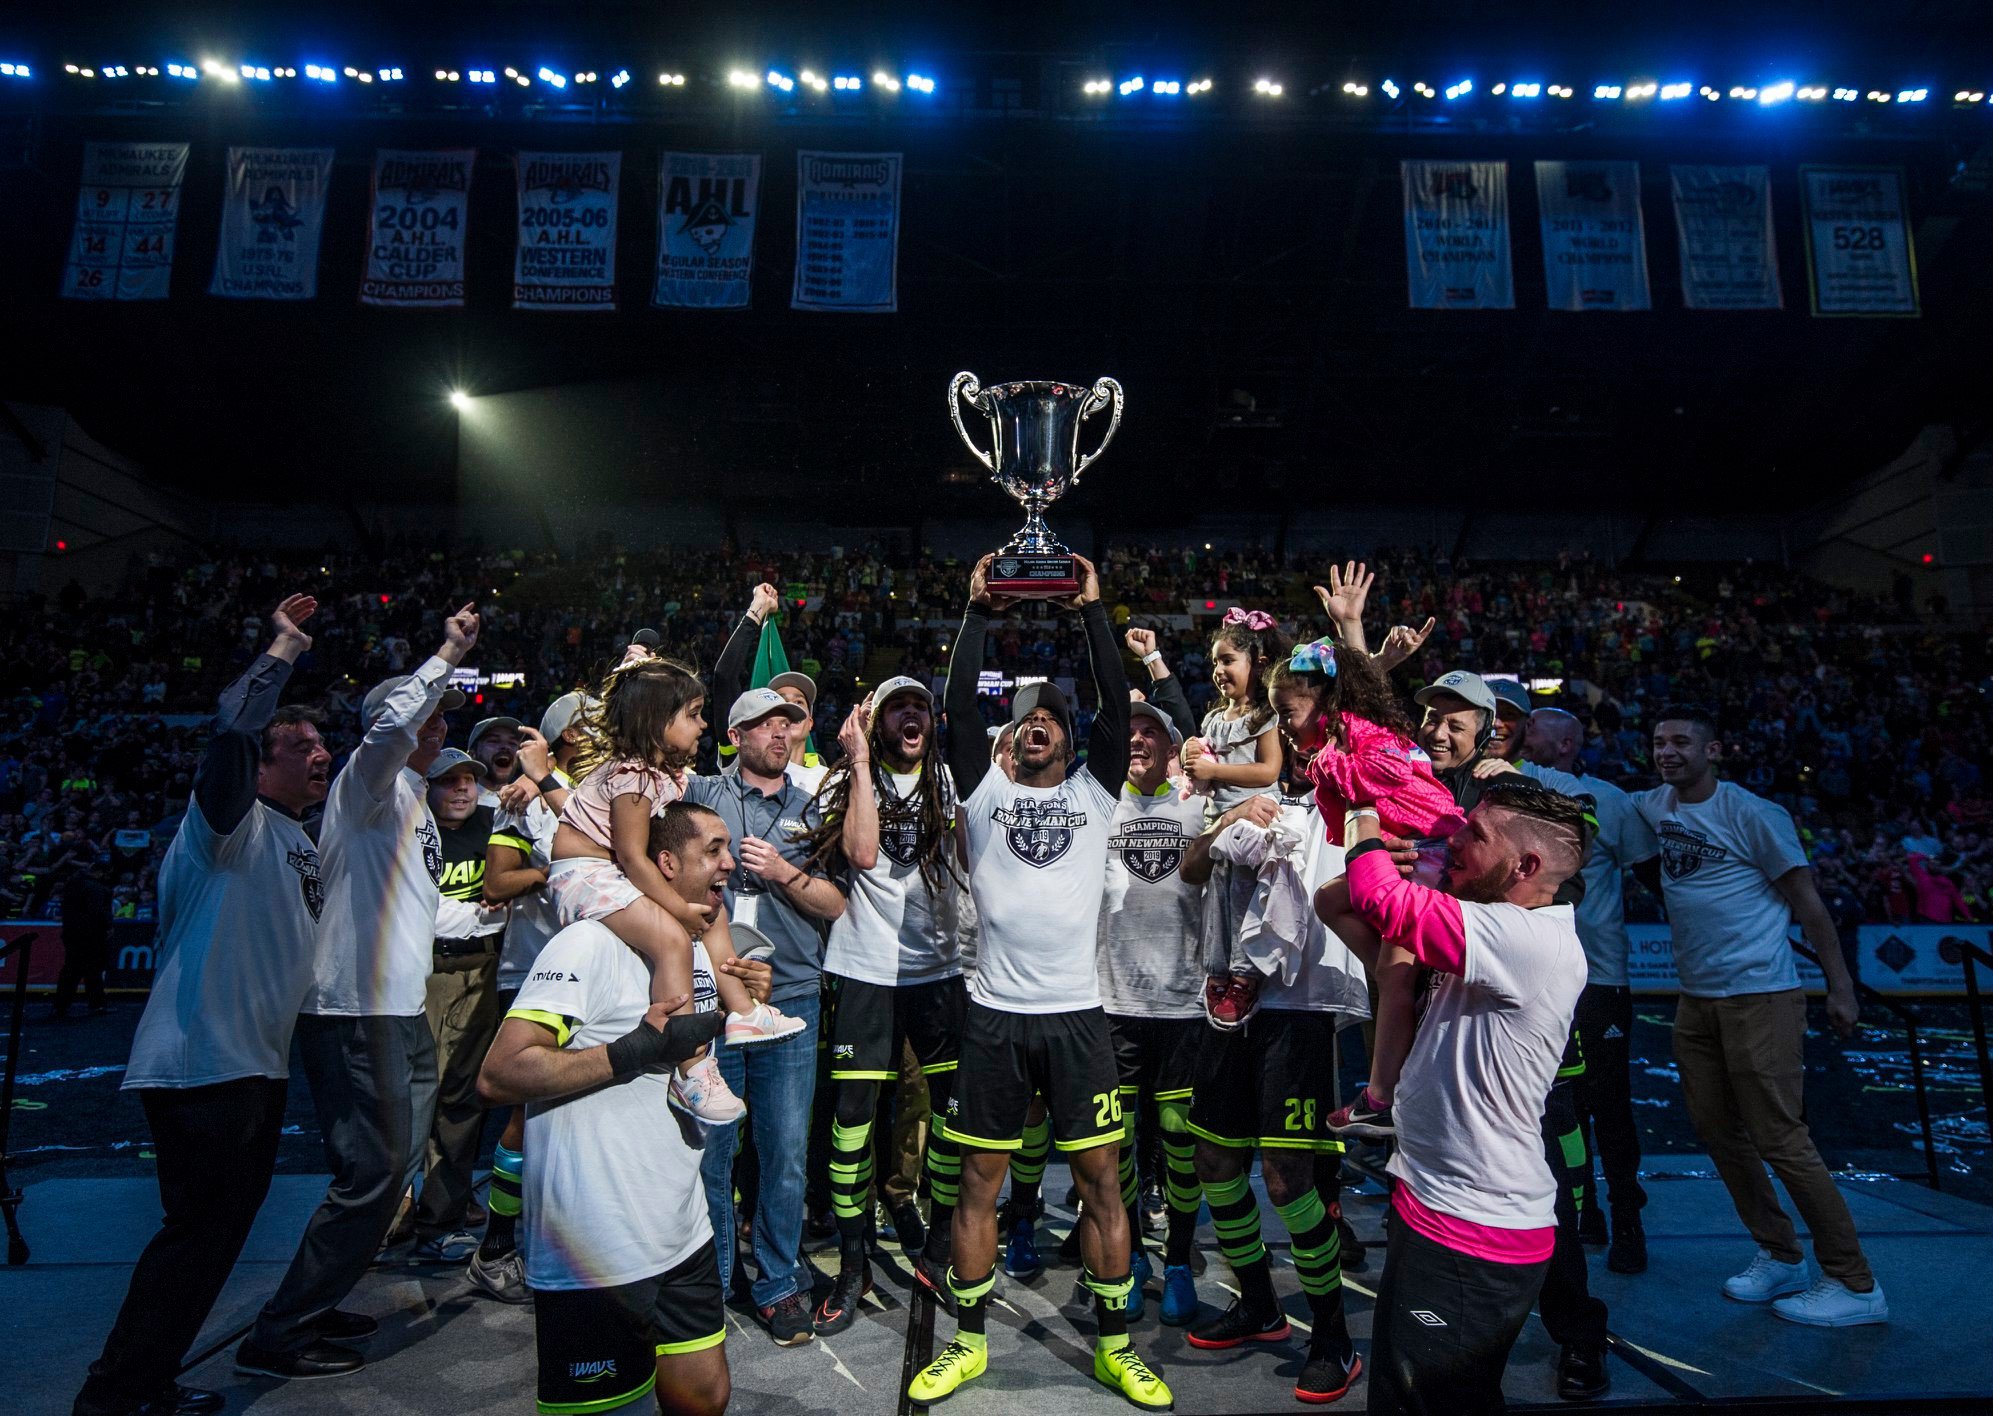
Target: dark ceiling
1211,266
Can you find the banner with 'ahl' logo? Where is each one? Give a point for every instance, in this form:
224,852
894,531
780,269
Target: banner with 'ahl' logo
706,208
418,217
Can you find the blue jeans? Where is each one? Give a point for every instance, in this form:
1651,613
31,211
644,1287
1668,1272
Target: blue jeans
778,1081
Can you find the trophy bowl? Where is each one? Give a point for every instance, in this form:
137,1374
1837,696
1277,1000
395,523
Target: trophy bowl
1034,455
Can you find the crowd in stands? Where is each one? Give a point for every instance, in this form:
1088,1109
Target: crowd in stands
1865,719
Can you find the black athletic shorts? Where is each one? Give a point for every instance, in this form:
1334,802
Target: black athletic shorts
1268,1084
599,1346
1157,1057
1007,1058
872,1021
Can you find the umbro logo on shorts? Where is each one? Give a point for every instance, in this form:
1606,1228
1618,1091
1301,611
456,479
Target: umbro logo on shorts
1428,1317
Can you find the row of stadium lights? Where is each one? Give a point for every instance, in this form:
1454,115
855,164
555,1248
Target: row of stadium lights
1134,84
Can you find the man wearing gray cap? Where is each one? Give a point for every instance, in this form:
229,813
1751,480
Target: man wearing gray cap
774,889
495,742
362,1031
730,672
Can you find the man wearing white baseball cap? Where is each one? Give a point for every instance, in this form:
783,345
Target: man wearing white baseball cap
362,1032
890,828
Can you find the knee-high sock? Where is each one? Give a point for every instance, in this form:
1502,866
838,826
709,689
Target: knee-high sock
1180,1158
1110,1305
1317,1251
1027,1164
851,1161
1235,1215
944,1166
972,1309
1131,1180
503,1204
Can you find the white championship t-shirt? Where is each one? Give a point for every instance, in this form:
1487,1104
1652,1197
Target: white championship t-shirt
1037,868
237,939
1719,857
612,1192
1469,1104
1150,961
1624,840
380,861
533,920
896,931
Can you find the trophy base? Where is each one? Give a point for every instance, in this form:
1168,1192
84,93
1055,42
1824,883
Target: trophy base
1033,575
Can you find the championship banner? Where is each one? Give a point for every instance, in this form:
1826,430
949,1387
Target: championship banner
272,213
566,258
419,212
1858,251
1594,242
1723,218
1457,235
126,212
847,232
706,205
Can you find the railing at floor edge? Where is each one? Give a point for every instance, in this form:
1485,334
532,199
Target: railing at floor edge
1969,956
10,1195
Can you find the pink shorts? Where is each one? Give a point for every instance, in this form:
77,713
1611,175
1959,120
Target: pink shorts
585,888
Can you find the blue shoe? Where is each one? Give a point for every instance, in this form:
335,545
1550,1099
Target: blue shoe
1179,1296
1139,1273
1020,1254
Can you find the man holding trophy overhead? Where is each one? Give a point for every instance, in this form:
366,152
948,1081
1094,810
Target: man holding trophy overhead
1037,849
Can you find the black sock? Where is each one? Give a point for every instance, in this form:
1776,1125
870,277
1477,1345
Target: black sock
500,1235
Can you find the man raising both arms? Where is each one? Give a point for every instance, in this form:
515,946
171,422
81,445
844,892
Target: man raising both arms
1037,868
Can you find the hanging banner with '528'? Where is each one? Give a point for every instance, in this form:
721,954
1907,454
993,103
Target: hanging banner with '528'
566,258
418,219
1858,247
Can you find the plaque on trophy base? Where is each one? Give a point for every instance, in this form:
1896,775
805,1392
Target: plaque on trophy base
1035,430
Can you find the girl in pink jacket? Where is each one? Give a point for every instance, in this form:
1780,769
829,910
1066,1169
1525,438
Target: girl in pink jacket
1355,744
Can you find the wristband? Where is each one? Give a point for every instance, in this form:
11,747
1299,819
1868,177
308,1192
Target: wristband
645,1046
1154,656
1357,813
551,783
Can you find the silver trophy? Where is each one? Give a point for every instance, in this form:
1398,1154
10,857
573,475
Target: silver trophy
1035,456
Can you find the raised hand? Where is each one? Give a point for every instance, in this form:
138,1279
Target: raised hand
979,587
460,630
854,736
1402,642
1089,583
1140,642
766,601
535,760
294,611
1347,592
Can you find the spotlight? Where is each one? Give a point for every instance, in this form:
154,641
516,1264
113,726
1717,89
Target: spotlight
1356,90
459,400
1461,89
1422,89
1776,93
1913,95
548,76
1390,89
367,78
1096,86
850,83
1133,85
1530,90
741,79
389,76
16,71
1877,96
619,78
1169,87
884,80
814,81
678,80
1671,92
1845,95
1201,86
779,80
1267,88
1606,91
1561,91
920,83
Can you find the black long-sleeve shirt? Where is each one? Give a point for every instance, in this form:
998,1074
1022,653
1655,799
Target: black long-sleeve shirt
225,782
968,744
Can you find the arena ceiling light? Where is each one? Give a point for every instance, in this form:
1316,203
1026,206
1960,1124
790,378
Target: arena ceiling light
739,79
921,83
883,80
676,80
11,70
1460,90
459,400
1097,87
1268,88
1778,92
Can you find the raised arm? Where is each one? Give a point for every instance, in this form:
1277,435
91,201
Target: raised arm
225,782
1164,689
1427,922
968,746
1107,749
730,671
383,752
858,832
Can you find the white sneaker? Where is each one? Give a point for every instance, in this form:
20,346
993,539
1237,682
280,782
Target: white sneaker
1767,1279
761,1023
1831,1303
704,1093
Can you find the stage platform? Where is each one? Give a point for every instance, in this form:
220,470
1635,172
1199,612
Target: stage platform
444,1351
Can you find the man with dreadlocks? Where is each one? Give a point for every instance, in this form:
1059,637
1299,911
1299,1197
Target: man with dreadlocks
889,822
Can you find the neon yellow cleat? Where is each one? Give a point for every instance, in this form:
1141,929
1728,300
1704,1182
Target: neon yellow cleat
1124,1370
954,1364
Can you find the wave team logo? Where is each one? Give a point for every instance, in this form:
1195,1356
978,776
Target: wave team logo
592,1371
1039,829
1150,849
1684,850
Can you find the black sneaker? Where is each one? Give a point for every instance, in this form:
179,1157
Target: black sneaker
317,1359
1591,1227
933,1276
1362,1120
839,1309
1237,1326
1628,1253
1581,1372
788,1320
1013,1210
1327,1376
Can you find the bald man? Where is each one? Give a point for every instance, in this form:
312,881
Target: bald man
1605,1010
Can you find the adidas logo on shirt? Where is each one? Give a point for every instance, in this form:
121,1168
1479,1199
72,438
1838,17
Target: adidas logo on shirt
1613,1033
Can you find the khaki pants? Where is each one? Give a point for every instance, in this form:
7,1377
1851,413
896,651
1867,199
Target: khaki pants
899,1167
1741,1066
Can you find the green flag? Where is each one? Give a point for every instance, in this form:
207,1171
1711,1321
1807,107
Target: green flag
771,659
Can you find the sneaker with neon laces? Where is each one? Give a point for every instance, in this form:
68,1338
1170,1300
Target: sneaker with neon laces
1366,1118
762,1023
1237,1326
954,1364
1140,1271
1122,1369
1327,1375
1766,1279
1020,1252
704,1093
1179,1296
1828,1302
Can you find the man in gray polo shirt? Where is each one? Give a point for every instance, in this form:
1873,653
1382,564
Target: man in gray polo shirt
772,890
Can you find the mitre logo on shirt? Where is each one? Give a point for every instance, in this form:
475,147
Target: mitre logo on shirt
305,863
1039,829
432,848
900,840
1684,850
1150,849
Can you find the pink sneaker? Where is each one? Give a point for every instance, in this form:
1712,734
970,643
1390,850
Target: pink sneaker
704,1093
761,1023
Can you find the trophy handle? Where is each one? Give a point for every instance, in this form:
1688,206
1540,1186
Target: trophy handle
1105,390
967,385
